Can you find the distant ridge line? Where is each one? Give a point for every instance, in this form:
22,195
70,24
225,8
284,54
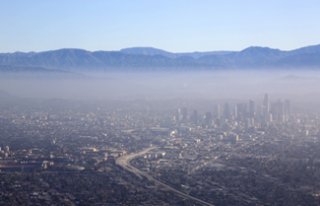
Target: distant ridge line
149,58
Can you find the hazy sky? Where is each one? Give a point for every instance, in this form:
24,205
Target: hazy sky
174,25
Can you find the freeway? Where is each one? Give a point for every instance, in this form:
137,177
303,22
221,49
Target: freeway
124,162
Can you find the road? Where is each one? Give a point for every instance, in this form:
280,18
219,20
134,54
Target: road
124,162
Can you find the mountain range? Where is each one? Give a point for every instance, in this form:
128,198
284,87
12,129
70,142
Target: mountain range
148,58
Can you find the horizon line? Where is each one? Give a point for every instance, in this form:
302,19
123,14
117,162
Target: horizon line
152,47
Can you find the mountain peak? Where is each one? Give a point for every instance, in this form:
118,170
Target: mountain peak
149,51
255,49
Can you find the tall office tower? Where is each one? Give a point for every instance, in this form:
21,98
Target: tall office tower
266,109
217,111
241,109
236,111
194,117
252,109
251,114
277,111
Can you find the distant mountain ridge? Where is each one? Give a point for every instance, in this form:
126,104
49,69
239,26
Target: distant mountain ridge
150,51
148,58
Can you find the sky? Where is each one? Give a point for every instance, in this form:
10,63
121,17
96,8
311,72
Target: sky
173,25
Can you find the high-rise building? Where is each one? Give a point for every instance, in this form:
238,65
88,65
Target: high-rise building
266,109
241,111
218,112
277,111
194,117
